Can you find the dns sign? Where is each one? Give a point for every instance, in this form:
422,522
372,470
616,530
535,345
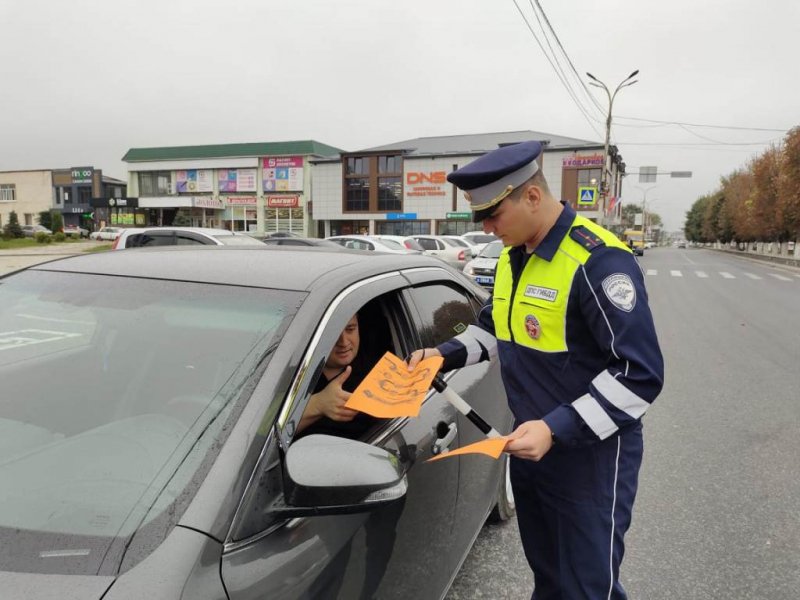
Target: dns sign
420,178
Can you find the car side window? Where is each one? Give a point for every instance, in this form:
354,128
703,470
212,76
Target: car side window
155,238
187,240
427,244
444,312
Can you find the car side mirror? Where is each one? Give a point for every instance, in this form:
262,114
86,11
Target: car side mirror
326,475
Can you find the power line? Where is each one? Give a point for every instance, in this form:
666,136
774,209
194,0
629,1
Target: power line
558,74
701,125
572,66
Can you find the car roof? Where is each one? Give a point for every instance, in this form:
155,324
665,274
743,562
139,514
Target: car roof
251,266
206,230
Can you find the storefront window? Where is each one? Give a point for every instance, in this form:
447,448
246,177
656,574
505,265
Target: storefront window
455,227
589,177
390,190
403,227
349,227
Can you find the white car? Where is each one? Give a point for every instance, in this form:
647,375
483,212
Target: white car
465,243
479,239
454,254
108,234
371,243
145,237
481,269
403,240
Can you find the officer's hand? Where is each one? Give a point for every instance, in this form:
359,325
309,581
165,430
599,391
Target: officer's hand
531,440
417,355
330,401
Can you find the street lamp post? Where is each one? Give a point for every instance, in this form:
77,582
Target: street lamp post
644,206
597,83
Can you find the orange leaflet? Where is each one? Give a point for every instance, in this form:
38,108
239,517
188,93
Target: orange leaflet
491,447
391,390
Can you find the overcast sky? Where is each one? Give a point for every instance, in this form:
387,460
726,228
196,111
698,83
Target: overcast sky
83,81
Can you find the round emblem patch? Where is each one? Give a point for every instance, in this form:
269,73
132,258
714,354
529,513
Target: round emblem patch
533,327
620,290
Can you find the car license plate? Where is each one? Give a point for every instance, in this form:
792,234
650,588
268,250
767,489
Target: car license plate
485,280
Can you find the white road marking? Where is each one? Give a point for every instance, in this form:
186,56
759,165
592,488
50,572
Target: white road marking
676,273
652,271
702,274
727,275
780,277
752,276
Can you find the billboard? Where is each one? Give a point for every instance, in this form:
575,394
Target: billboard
283,173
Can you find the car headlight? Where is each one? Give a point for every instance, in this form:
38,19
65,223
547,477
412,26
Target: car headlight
468,270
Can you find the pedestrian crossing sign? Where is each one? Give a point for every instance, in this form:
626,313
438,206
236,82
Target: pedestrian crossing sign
587,196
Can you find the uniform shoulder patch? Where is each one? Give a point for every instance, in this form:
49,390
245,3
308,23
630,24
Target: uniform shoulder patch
584,236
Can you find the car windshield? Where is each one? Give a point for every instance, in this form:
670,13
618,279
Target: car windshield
492,250
114,391
237,240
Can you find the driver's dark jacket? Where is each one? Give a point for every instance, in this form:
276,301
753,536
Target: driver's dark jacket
574,333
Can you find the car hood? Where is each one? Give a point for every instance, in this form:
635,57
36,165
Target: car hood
37,586
483,263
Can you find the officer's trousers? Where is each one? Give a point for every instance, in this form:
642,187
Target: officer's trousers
573,509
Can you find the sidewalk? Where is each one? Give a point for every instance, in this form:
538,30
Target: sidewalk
53,249
13,259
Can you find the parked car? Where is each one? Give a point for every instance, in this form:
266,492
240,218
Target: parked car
681,244
481,269
464,243
108,234
403,240
142,237
301,241
76,230
478,238
32,230
281,234
158,458
454,254
371,243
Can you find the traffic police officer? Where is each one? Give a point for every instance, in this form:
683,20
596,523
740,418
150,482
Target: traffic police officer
570,323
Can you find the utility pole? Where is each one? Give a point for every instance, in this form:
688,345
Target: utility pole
597,83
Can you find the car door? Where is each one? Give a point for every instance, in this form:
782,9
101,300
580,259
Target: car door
445,309
385,553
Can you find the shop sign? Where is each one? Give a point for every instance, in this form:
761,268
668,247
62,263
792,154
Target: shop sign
283,173
578,160
283,201
425,183
459,216
401,216
241,200
82,174
203,202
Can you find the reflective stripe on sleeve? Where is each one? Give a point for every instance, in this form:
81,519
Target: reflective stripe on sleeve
620,396
475,340
485,339
472,346
595,417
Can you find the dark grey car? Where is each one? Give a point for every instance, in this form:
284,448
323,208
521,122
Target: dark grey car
149,403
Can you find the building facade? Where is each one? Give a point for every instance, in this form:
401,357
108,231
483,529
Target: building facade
259,187
73,192
401,188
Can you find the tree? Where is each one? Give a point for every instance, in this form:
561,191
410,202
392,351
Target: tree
12,228
766,170
693,226
57,222
46,219
788,209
